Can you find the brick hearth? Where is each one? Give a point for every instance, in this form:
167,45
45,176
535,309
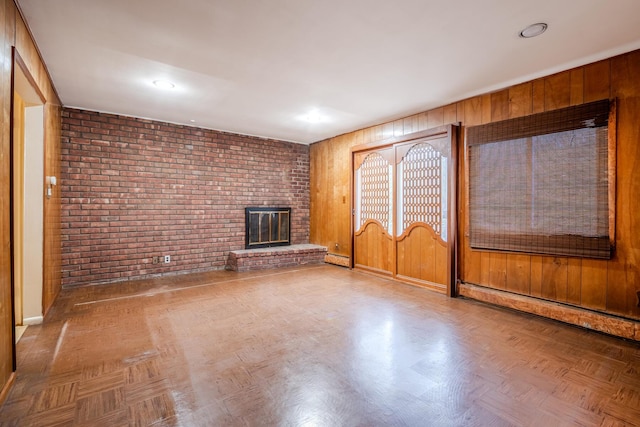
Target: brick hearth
276,257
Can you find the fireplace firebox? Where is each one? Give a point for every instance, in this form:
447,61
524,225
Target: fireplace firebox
266,227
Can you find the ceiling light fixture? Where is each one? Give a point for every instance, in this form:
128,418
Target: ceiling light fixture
313,116
533,30
163,84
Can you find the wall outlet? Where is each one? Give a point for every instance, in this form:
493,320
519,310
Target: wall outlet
155,259
167,259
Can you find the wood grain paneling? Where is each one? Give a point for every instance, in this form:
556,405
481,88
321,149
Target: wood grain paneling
18,205
435,118
597,81
574,280
7,21
498,270
625,86
518,271
520,100
500,105
536,276
576,96
607,286
537,96
331,196
471,261
15,33
557,91
554,278
449,114
52,271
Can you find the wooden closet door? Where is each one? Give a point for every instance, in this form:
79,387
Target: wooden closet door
373,180
422,173
404,208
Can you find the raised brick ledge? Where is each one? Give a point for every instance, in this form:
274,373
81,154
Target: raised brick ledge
276,257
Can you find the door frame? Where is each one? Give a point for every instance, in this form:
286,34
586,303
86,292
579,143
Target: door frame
18,64
452,132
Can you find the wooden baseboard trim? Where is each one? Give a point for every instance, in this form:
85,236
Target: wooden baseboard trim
7,387
437,287
624,328
340,260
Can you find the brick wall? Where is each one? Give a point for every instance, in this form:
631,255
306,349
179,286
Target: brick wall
135,188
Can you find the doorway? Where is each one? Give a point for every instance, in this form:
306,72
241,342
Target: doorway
27,197
404,215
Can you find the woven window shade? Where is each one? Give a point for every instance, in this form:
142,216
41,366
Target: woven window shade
539,184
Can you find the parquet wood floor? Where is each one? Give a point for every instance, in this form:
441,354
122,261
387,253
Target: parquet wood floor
311,346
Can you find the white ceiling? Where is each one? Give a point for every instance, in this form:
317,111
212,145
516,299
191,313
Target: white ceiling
256,66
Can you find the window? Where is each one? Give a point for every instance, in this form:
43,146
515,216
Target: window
542,183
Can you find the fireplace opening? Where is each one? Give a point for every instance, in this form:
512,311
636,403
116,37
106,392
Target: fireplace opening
266,227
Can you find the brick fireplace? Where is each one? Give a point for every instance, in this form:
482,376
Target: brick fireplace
267,227
267,243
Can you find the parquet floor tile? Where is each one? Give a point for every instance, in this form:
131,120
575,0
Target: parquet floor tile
311,346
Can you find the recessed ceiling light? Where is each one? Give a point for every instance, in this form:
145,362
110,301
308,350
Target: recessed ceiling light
533,30
163,84
313,116
192,120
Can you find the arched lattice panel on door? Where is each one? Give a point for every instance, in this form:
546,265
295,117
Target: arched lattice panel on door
421,191
373,191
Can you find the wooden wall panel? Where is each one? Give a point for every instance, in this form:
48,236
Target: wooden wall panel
574,281
450,114
435,118
520,100
498,270
597,81
554,279
6,316
537,96
625,271
15,33
471,261
423,122
398,128
500,105
594,284
518,271
536,276
18,206
608,286
557,91
576,96
52,271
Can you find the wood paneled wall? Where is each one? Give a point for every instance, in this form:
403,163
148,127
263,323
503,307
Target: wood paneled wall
607,286
14,32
